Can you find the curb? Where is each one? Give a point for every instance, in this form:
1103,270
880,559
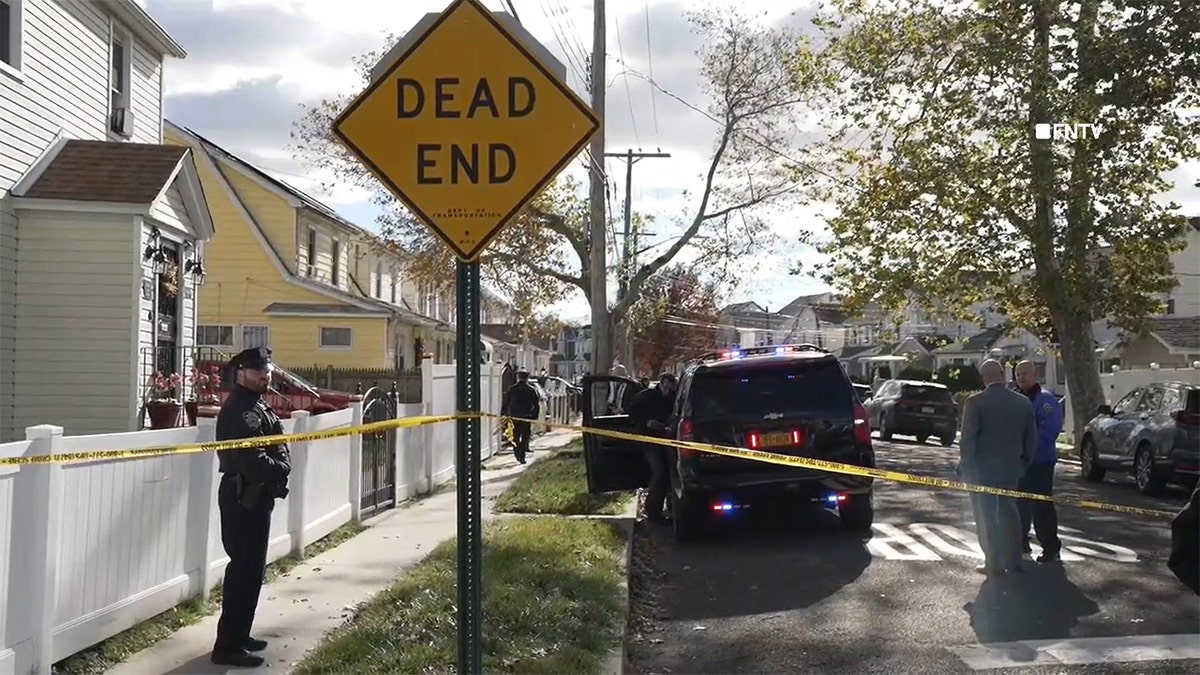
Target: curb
615,663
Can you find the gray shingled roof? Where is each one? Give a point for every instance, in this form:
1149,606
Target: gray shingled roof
1179,332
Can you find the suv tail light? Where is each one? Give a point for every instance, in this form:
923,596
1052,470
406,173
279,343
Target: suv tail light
1185,417
753,440
687,432
862,429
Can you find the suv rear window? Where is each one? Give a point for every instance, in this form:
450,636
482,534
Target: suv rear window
817,387
1193,401
917,392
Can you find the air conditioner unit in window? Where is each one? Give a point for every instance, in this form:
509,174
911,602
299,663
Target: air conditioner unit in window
120,121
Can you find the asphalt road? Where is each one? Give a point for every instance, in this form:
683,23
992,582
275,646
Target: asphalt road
792,593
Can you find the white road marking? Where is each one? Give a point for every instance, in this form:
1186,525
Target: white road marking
891,542
1079,651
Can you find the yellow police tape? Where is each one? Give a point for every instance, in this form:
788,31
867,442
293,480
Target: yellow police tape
214,446
728,451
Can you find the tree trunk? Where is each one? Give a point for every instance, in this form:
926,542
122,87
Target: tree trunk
1083,371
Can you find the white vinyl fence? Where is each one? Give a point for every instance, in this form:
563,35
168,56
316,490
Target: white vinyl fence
92,548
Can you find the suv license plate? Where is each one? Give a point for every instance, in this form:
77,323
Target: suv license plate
927,410
777,439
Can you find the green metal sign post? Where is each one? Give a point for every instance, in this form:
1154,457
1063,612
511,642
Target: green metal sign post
432,129
468,469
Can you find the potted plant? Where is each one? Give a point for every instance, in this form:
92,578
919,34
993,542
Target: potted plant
162,405
205,385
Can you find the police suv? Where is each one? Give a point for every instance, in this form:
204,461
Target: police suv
791,400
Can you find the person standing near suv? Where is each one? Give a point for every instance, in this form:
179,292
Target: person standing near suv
651,411
1039,475
522,403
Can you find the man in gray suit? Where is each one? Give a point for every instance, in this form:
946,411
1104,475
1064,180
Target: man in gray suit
999,438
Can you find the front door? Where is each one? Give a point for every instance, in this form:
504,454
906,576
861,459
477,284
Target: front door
613,464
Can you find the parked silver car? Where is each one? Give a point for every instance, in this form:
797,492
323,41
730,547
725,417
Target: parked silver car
1152,433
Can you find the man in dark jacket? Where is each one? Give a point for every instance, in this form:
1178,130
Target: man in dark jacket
651,410
522,403
1185,544
251,480
1039,475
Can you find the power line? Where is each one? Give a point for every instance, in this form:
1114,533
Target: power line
650,64
628,93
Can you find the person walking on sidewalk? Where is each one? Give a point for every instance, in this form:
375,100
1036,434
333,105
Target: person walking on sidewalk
251,480
522,404
1039,475
999,436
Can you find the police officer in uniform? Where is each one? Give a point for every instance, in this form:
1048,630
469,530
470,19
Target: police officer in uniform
522,403
251,480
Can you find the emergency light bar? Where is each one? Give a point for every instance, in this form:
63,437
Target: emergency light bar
734,353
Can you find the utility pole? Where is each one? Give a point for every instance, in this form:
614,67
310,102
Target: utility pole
629,245
597,260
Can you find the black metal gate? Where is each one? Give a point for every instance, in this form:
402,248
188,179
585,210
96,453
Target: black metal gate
379,451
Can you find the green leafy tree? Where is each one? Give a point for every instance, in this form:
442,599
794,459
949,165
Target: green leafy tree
945,195
755,77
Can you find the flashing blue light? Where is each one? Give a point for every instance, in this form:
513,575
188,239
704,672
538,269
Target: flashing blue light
835,498
781,350
723,506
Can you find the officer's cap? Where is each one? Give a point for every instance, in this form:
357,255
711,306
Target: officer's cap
256,358
521,372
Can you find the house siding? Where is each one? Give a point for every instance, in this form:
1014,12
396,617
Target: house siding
75,270
296,342
8,315
186,339
66,84
276,217
171,211
323,260
243,280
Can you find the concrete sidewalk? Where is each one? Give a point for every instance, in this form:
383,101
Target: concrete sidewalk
298,609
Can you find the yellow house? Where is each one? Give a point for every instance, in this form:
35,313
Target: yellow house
285,272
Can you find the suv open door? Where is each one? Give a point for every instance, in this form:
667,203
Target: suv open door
612,464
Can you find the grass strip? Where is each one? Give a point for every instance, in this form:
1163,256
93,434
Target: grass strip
552,603
102,656
558,485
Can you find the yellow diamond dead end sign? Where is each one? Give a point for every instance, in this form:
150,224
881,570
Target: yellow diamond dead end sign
466,127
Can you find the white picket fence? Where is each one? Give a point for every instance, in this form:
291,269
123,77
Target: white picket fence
90,549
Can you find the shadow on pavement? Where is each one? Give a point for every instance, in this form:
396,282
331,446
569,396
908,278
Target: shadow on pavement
1039,603
757,565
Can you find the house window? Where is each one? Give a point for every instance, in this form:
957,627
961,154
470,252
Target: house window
256,336
393,291
120,118
310,263
214,336
335,267
11,23
335,337
379,280
1170,305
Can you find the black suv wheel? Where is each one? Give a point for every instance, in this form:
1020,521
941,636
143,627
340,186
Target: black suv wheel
857,512
687,516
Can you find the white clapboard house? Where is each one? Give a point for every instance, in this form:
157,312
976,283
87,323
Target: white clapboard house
101,225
